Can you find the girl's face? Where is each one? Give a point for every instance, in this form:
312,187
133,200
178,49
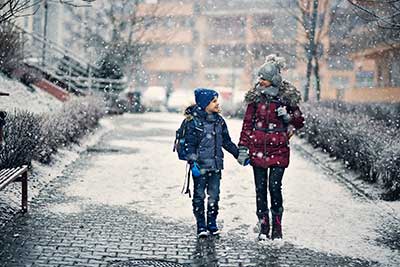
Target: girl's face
213,106
264,83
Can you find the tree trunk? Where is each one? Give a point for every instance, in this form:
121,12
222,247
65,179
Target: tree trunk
308,77
317,78
311,49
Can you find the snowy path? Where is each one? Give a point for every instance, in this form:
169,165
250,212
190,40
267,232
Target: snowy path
320,213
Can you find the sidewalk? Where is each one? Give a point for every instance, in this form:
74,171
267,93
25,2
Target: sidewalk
66,231
120,202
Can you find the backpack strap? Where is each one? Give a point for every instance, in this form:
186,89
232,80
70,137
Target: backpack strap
186,182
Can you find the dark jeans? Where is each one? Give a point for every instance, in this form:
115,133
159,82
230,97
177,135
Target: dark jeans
274,182
210,181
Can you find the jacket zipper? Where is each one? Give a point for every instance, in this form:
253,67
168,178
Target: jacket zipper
215,145
265,139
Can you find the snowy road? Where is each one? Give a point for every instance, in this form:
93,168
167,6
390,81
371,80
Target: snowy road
142,173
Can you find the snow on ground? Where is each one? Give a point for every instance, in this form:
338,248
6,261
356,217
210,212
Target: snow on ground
21,98
320,213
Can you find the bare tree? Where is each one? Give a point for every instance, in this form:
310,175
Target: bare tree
10,9
311,16
318,20
386,13
120,34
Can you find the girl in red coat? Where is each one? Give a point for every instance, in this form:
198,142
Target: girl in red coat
271,118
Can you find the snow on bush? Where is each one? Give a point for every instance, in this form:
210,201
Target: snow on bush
11,48
385,112
365,144
21,135
31,136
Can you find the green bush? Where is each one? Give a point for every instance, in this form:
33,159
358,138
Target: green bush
365,144
29,136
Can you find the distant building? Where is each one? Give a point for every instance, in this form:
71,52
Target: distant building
219,44
376,55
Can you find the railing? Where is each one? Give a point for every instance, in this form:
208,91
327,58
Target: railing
63,66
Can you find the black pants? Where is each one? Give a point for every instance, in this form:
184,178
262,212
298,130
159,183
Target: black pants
271,182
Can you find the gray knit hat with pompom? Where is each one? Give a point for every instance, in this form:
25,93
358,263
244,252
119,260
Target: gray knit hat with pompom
271,69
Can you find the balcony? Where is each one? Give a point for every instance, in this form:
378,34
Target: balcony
169,64
165,9
179,36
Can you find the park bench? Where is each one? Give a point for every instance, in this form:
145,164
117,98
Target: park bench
17,174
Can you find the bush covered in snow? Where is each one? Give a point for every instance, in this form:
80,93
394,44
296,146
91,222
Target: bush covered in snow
11,48
21,135
365,143
385,112
30,136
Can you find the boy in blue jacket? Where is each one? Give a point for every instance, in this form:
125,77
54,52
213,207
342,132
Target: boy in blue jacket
207,134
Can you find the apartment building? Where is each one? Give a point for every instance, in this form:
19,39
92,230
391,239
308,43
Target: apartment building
219,44
376,55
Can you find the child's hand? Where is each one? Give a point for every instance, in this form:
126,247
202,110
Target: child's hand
243,157
195,170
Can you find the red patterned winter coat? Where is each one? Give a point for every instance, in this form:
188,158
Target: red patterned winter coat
263,132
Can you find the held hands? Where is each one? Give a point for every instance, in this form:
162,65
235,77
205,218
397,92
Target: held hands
282,112
243,157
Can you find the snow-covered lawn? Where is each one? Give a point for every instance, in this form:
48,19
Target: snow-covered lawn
21,98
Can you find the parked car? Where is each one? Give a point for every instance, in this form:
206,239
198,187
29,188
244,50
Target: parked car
180,99
153,98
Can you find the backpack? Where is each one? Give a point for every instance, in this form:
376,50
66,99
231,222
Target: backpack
180,144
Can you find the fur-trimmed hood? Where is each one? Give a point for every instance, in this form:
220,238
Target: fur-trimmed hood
288,94
188,113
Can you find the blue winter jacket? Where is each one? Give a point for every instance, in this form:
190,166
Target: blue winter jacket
206,135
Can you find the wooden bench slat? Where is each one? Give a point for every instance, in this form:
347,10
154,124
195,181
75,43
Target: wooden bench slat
6,175
11,171
11,174
3,171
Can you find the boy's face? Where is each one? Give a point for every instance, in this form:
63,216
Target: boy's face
213,106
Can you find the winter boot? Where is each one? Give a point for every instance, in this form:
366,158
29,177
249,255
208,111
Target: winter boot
201,227
212,226
276,226
264,228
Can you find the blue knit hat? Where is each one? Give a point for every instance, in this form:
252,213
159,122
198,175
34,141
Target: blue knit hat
204,96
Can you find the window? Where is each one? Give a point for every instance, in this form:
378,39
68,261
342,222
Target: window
340,63
212,77
262,21
365,79
227,27
339,82
395,71
168,51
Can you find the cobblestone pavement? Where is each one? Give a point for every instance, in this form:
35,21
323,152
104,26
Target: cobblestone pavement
64,230
102,235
